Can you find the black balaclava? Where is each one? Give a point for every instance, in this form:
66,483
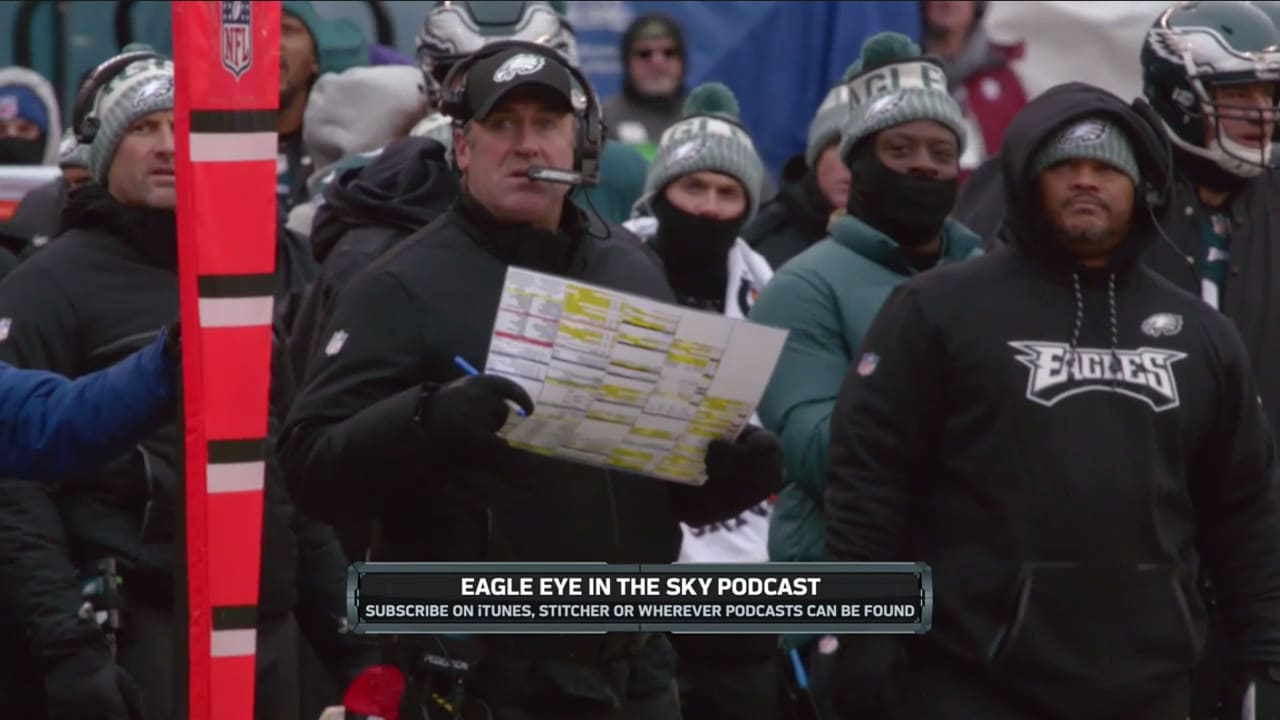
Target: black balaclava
909,209
695,251
21,151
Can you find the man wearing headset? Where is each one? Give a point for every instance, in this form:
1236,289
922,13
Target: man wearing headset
387,427
95,294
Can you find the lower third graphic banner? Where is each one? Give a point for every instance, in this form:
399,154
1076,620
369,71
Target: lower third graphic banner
385,598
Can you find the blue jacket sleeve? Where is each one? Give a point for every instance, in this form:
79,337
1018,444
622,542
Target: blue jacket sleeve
51,426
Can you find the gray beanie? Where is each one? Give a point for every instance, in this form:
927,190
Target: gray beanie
143,87
359,110
897,85
709,137
1089,139
827,124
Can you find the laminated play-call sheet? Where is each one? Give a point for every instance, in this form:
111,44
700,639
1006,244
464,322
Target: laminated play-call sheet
626,382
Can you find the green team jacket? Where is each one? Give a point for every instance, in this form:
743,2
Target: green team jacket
826,297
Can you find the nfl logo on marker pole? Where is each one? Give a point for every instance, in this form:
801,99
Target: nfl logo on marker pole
237,37
227,66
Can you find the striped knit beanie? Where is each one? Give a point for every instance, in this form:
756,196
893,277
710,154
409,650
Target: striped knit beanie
1088,139
710,137
898,85
832,117
143,87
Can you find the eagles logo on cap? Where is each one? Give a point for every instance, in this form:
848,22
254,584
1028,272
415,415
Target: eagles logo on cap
1085,133
883,104
687,151
522,64
158,87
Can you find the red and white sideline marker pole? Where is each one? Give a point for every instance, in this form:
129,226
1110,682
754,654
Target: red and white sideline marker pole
227,62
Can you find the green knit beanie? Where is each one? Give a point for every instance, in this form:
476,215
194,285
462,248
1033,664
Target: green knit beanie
709,137
898,85
1089,139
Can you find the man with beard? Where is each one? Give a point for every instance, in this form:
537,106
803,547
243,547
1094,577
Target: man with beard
701,189
1069,465
100,290
309,47
388,428
1221,241
902,147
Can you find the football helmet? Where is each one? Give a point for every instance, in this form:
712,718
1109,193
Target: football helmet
455,29
1193,50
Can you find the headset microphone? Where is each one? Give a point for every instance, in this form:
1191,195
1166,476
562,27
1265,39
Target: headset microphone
554,175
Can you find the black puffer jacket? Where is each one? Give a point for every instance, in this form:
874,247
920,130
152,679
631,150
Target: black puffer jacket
102,289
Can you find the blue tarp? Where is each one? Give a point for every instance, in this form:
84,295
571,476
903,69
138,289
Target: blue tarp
779,57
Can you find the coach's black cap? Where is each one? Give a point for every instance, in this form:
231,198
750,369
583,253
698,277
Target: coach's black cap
491,78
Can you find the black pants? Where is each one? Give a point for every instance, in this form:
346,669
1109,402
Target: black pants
147,655
658,706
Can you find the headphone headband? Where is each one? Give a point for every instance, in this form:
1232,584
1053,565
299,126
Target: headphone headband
591,126
83,124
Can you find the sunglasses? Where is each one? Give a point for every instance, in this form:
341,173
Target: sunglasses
646,53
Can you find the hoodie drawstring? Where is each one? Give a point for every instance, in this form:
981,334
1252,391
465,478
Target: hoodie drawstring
1075,333
1114,318
1115,327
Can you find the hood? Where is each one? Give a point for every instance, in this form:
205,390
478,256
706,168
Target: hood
406,187
958,243
802,198
339,42
629,39
338,121
37,84
1024,225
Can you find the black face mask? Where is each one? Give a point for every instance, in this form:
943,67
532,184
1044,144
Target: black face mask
19,151
690,243
910,209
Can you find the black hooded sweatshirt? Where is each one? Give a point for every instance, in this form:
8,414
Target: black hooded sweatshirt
366,212
1252,296
1066,509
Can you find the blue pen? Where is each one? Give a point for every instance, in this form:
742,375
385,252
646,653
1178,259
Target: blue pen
802,677
469,369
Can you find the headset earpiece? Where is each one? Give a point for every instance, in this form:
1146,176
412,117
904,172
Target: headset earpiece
83,124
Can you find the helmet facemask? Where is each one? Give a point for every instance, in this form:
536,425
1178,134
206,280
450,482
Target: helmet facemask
1237,107
1215,94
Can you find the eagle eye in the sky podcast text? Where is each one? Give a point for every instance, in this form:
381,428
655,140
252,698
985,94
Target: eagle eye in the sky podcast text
545,598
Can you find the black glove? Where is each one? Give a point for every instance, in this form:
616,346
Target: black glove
739,475
173,343
862,678
1263,703
464,416
89,685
